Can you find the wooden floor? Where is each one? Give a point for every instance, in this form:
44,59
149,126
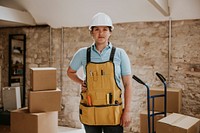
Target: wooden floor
6,129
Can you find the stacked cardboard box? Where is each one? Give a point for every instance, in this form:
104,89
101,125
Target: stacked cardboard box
144,121
42,79
44,101
174,101
178,123
174,122
22,121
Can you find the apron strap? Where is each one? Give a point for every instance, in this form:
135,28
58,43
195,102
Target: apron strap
88,54
111,54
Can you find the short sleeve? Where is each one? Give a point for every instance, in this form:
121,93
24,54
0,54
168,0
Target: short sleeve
77,59
125,63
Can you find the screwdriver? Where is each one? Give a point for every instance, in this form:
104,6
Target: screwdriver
89,100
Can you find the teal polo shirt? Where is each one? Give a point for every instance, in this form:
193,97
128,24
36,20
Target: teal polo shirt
121,60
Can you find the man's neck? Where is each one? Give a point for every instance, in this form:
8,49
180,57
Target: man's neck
100,47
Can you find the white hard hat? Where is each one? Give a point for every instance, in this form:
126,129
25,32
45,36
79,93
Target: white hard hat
101,19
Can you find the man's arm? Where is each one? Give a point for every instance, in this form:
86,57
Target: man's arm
126,117
73,76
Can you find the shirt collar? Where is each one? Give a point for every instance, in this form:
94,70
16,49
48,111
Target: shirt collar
109,46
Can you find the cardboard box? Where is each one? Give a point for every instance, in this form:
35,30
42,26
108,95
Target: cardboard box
174,100
144,121
4,129
24,122
11,98
44,101
42,79
178,123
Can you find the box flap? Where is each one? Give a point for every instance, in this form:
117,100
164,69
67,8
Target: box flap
21,110
43,68
168,89
171,119
46,91
179,120
186,122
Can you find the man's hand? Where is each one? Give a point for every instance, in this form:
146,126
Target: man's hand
125,119
83,87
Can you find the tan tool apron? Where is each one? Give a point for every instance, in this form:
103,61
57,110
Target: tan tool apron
101,104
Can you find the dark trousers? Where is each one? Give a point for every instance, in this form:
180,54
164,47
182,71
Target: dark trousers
105,129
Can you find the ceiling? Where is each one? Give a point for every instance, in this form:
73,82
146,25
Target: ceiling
78,13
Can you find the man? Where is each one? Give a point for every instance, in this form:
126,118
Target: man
104,65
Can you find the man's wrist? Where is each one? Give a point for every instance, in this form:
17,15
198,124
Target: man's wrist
127,110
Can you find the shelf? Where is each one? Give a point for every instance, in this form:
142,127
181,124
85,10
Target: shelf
18,54
17,76
17,63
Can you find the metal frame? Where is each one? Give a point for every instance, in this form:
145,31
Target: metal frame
23,39
149,97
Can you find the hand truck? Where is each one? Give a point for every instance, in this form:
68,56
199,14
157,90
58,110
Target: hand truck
153,114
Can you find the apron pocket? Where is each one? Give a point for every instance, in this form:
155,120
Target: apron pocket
87,115
109,115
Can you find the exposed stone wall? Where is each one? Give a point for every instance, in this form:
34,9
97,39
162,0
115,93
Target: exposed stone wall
185,65
147,46
37,49
1,62
74,38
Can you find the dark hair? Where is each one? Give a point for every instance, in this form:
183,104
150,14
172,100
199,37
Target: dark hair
108,27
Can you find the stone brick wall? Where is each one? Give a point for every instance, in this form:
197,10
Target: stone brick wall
185,65
147,45
37,49
147,48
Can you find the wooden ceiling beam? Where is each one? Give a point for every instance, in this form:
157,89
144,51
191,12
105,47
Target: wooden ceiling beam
16,16
161,5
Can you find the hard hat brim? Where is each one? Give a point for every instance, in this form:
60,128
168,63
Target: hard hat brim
90,27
